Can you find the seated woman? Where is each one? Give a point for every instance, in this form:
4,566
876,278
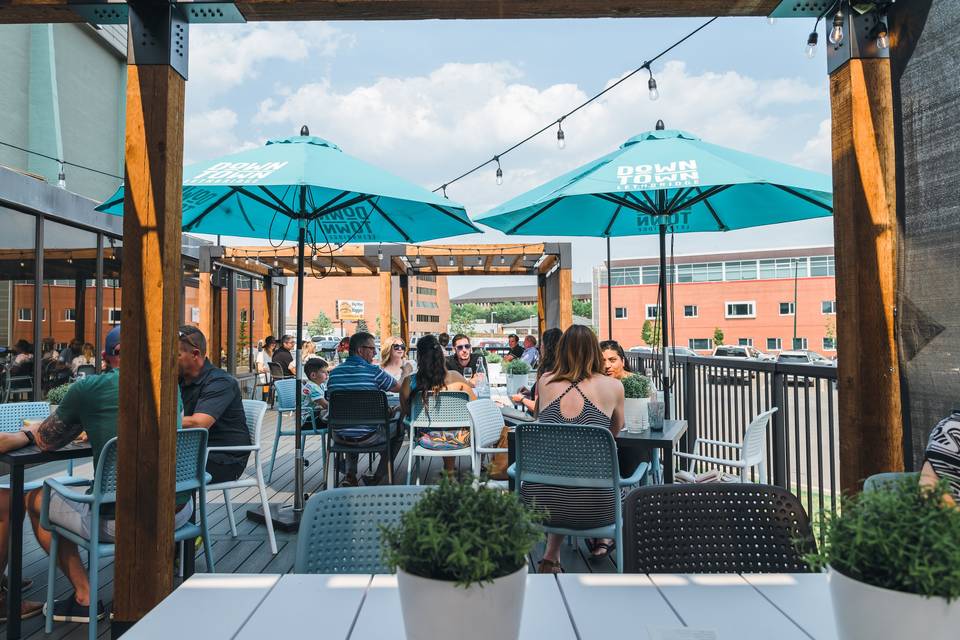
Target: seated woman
85,357
614,360
576,391
393,356
943,457
548,359
432,376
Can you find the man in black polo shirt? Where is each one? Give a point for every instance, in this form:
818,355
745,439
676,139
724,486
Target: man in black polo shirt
211,400
283,356
516,351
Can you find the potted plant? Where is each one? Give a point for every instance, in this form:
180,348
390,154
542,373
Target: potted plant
461,560
636,394
516,372
55,396
494,365
894,563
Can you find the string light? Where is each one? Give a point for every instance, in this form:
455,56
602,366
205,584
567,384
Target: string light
379,254
276,262
652,86
812,43
61,178
452,261
646,65
883,39
836,32
561,142
503,258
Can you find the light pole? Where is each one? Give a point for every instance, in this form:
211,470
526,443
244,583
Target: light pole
532,318
796,264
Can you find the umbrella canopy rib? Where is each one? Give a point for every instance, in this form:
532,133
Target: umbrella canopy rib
450,215
533,215
216,203
623,202
713,212
804,197
613,218
393,224
280,206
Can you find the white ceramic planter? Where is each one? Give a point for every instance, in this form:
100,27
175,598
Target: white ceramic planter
865,612
515,383
635,415
439,609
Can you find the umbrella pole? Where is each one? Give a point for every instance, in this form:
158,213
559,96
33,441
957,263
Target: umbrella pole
298,451
609,296
664,334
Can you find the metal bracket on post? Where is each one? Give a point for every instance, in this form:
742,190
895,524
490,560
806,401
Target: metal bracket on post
100,12
158,35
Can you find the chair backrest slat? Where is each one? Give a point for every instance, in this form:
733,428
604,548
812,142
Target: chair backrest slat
191,451
357,407
444,410
487,422
254,410
755,437
715,528
340,528
567,455
286,394
13,413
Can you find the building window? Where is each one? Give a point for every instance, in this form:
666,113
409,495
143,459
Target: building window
702,272
800,343
786,309
741,309
424,318
828,307
742,270
113,316
427,278
620,313
25,314
783,268
427,304
243,315
829,344
699,344
745,342
70,315
690,311
650,275
620,276
650,312
774,344
822,266
426,291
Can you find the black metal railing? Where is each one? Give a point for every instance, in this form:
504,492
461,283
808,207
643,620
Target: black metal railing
718,397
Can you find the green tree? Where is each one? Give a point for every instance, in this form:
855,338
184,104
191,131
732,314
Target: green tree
717,337
472,311
650,333
583,308
362,326
321,325
462,320
394,327
507,312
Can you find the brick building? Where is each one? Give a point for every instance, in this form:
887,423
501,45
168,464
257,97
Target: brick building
753,297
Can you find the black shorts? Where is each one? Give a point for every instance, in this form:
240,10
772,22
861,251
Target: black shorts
224,471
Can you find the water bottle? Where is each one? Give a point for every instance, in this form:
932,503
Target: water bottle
483,384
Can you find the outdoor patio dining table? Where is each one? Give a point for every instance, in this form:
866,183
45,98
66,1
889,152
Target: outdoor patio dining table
568,606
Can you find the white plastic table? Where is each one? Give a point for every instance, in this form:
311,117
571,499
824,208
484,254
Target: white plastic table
570,606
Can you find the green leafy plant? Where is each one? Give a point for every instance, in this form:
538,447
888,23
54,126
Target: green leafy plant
636,386
55,395
493,358
463,534
516,368
717,336
900,537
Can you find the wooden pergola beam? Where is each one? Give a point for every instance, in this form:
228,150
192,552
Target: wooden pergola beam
21,11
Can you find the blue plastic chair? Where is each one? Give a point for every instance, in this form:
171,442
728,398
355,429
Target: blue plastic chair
190,477
286,402
567,455
445,410
12,415
881,481
340,528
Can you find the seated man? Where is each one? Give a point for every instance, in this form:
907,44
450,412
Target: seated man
358,372
516,351
530,353
212,401
463,358
283,355
91,405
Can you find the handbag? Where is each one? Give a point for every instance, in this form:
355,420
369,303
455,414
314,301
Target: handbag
497,469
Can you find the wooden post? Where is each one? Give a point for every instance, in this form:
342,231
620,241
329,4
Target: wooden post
268,305
215,337
865,240
205,303
541,305
566,298
405,309
151,278
386,303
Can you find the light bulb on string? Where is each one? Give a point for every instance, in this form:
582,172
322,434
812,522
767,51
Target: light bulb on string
452,261
499,170
416,260
503,259
652,86
379,254
883,38
836,31
276,262
561,138
811,50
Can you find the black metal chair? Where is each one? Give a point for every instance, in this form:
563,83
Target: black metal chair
356,408
715,528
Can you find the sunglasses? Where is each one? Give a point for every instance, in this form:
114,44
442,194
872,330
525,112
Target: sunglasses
398,347
189,339
462,347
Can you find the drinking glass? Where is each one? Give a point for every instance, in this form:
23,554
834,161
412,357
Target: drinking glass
655,409
467,373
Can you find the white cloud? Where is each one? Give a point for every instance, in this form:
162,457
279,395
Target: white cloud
816,153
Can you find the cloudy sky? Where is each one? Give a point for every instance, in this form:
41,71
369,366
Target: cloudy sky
428,100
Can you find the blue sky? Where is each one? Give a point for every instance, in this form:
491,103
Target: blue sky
427,100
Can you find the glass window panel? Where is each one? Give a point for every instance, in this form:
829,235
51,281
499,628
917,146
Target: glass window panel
774,344
244,320
17,265
112,298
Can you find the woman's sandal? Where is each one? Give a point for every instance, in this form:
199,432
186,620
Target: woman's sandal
603,548
549,566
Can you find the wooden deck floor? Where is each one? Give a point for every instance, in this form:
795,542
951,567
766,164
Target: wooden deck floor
249,552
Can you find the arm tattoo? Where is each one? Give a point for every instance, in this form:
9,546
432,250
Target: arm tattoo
53,433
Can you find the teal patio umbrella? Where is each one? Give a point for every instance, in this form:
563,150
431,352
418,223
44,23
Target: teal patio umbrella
305,189
665,180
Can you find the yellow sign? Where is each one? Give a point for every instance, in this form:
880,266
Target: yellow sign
349,309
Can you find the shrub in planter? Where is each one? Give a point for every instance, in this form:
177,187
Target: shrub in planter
894,559
55,395
516,372
461,552
636,392
493,358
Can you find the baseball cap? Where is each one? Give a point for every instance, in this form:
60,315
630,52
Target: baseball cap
112,341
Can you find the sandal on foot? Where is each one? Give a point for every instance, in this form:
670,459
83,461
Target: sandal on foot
549,566
603,548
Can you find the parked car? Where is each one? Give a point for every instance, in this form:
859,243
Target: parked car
802,356
737,352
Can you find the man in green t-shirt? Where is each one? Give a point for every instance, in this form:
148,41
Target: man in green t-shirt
90,406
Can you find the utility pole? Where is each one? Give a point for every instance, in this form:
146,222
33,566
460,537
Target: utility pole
796,264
